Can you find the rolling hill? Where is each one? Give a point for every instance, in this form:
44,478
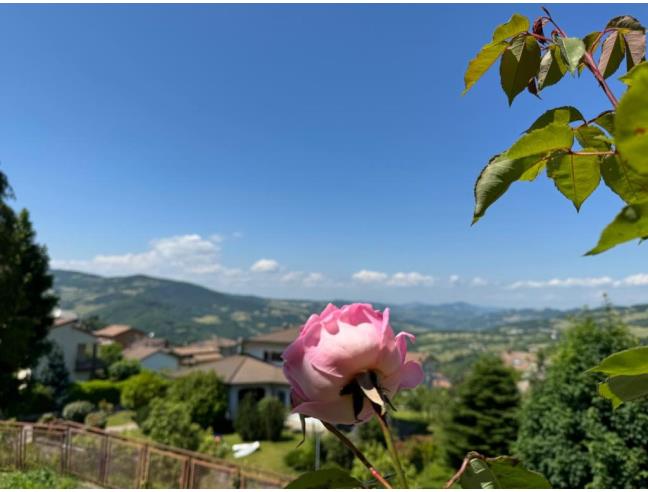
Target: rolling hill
184,312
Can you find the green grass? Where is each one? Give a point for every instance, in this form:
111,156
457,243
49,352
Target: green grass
120,418
37,479
270,455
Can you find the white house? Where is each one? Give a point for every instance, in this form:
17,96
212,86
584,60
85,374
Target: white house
243,375
269,346
79,347
153,357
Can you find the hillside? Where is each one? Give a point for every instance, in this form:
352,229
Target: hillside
183,312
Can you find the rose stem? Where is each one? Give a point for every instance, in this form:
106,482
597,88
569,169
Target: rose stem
358,454
392,450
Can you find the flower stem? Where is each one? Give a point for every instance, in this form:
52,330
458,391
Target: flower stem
358,454
392,451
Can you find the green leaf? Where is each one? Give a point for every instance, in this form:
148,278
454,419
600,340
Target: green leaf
630,362
503,472
629,388
512,475
553,136
631,186
572,50
631,223
552,68
532,149
612,54
635,42
515,25
563,114
575,176
631,120
592,40
520,63
496,178
333,478
605,391
479,65
625,22
606,121
592,137
532,173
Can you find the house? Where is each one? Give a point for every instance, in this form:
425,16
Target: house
206,351
124,335
526,363
269,346
153,356
243,375
78,346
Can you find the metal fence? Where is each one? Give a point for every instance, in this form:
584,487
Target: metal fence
114,461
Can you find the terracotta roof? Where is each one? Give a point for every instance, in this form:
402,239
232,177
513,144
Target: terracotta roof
114,330
141,352
205,347
283,336
65,321
242,369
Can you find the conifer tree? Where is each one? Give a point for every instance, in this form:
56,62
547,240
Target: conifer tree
26,302
482,416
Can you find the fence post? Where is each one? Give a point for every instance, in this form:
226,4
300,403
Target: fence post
103,460
185,482
143,467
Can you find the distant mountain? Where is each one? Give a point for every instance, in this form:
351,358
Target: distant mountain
182,312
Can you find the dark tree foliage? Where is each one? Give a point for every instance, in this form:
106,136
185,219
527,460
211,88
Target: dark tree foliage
273,415
571,434
482,416
248,423
204,394
26,302
54,374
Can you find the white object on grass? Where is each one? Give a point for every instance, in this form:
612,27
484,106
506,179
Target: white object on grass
245,448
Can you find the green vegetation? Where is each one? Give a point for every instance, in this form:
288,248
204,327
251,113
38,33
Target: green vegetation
570,433
169,422
270,455
37,479
123,369
95,391
205,396
122,417
482,416
77,411
141,389
26,303
248,422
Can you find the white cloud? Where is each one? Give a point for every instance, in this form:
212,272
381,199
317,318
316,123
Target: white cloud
176,255
265,265
307,279
410,279
478,282
369,277
635,280
604,281
399,279
454,279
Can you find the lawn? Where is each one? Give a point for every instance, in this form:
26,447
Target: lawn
37,479
270,455
122,417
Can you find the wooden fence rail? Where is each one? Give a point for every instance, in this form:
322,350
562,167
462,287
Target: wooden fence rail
113,461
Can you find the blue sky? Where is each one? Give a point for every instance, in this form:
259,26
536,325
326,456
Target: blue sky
329,141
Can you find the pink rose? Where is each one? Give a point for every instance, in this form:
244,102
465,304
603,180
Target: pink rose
336,346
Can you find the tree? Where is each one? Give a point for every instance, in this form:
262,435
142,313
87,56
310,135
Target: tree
248,423
273,416
169,422
124,369
26,302
54,374
570,433
482,417
204,394
110,353
138,392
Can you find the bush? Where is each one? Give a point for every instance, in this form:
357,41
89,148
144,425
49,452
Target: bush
370,432
205,395
273,416
96,419
47,418
110,353
302,459
138,391
124,369
37,479
169,422
77,411
248,422
95,391
213,445
337,453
